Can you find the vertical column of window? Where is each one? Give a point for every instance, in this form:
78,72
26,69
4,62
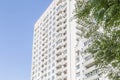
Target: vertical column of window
49,45
64,38
39,50
40,53
61,40
77,66
43,51
33,57
58,41
35,53
53,43
47,57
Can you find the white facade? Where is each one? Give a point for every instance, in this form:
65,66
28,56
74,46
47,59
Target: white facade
57,46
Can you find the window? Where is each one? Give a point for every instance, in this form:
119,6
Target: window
88,57
65,65
78,66
53,77
65,45
77,59
77,74
65,51
92,73
59,41
65,39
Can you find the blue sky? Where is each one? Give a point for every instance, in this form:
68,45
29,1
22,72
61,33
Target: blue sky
17,18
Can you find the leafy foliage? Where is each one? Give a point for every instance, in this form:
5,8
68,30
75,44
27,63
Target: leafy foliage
100,20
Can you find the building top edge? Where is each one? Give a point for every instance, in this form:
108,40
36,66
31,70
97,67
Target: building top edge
43,15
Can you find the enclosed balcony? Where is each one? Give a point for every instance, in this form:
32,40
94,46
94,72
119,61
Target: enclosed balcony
95,77
89,63
90,69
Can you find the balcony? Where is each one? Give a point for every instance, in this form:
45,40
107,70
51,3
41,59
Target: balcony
59,66
60,1
59,73
78,33
65,65
58,54
78,28
89,63
90,69
93,77
59,60
92,74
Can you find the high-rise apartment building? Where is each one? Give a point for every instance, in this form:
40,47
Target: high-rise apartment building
57,47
